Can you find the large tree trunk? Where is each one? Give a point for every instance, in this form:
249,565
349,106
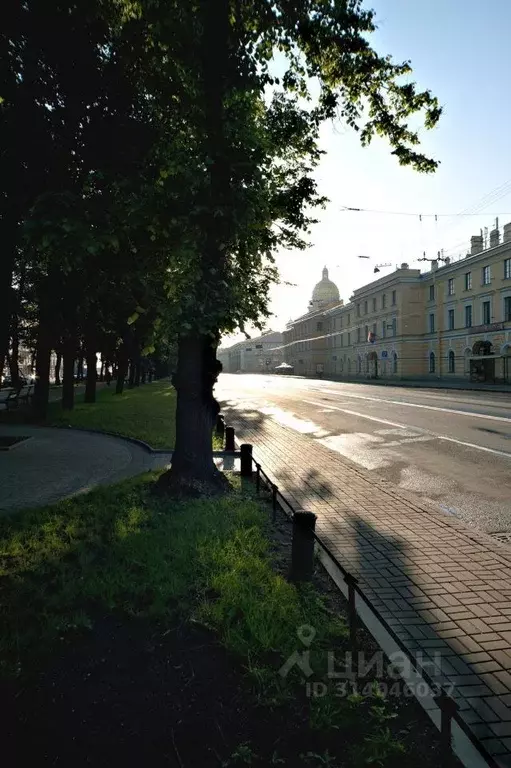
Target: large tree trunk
58,363
137,374
192,467
8,231
131,379
197,368
122,369
68,381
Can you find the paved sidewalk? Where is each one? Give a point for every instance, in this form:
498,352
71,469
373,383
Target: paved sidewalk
445,588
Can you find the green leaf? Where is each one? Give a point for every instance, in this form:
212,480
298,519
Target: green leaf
133,318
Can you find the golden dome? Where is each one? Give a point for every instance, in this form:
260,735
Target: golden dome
325,292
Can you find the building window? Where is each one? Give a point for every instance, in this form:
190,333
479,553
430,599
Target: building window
393,298
394,363
431,292
366,333
468,316
468,281
358,310
349,339
450,286
358,334
432,323
349,319
374,329
450,319
394,326
384,329
374,305
258,346
248,349
366,308
486,313
334,357
486,276
383,301
342,339
507,309
359,364
507,269
319,326
452,363
432,362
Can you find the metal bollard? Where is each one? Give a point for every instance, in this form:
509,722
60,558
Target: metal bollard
220,425
229,439
352,614
246,460
302,549
274,491
448,708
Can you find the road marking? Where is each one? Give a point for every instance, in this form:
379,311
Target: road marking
425,431
417,405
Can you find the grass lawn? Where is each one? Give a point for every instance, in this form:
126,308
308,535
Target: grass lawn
140,630
146,412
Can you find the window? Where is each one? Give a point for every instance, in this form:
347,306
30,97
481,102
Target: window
334,357
383,301
349,339
366,308
507,269
248,349
431,292
432,323
359,364
319,326
452,364
358,310
374,305
374,329
450,286
366,333
486,313
468,316
394,363
486,276
394,326
507,309
450,319
384,329
393,298
468,281
349,319
432,362
258,346
342,339
358,334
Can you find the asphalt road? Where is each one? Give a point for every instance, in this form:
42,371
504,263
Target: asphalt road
450,447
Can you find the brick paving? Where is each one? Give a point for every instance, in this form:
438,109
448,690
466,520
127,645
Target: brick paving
444,588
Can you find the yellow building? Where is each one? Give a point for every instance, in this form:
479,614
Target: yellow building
451,322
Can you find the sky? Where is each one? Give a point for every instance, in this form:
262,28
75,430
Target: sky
459,49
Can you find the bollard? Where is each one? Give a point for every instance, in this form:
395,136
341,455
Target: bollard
220,425
229,439
246,460
302,549
274,491
448,708
352,614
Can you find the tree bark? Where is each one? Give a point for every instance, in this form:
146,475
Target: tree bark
9,233
192,467
79,368
101,370
68,380
131,379
137,374
122,369
58,363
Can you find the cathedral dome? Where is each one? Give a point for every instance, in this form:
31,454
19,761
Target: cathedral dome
325,292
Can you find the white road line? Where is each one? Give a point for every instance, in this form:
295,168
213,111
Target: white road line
407,426
417,405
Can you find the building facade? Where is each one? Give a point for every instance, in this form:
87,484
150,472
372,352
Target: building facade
258,355
451,322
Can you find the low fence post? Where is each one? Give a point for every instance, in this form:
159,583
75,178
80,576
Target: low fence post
229,439
302,549
274,491
448,708
246,460
258,477
220,425
352,618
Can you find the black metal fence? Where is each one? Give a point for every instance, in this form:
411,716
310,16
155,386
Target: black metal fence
446,704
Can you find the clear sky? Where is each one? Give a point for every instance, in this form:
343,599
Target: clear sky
460,50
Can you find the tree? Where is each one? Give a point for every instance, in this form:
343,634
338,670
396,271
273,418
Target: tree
254,191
